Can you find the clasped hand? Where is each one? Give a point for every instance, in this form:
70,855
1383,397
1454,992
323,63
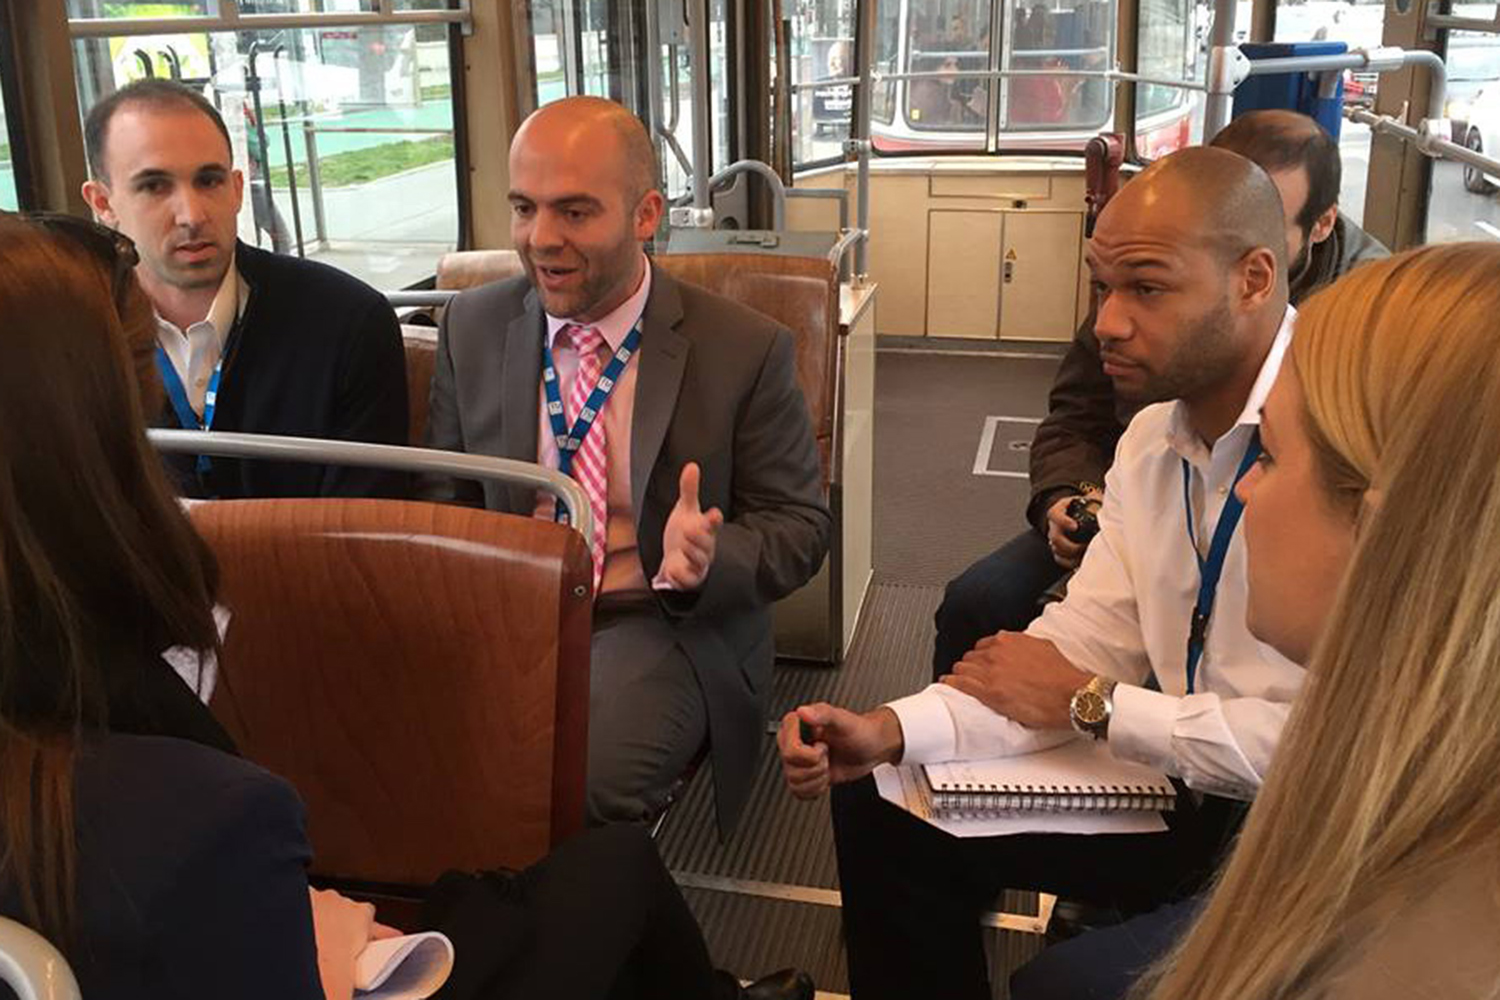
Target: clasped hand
1021,677
842,746
691,536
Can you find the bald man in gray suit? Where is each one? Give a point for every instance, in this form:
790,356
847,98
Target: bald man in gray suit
705,478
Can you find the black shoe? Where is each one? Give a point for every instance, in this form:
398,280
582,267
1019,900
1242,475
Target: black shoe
788,984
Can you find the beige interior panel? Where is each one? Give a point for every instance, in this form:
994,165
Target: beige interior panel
1039,285
963,273
857,316
1031,187
898,253
817,215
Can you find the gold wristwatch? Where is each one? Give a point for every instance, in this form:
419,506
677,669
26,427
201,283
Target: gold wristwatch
1091,707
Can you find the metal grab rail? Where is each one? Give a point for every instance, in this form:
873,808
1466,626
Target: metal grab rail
228,444
30,965
1428,142
430,297
1382,60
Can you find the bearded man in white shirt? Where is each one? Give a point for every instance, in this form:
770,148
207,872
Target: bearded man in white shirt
1189,266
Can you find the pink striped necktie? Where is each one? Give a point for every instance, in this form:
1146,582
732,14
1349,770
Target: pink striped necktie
589,462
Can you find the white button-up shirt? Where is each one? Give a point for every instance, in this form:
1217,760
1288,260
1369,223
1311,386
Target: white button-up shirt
195,351
1127,616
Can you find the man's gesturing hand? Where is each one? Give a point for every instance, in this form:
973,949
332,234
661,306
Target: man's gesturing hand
691,536
843,746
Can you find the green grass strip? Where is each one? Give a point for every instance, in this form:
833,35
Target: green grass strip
361,166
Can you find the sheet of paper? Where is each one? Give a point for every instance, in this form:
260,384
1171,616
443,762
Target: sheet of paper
403,968
902,787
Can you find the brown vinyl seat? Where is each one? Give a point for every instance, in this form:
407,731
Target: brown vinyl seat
419,672
468,268
421,355
800,293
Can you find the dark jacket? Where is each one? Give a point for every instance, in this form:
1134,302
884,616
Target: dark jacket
1076,442
318,353
191,862
191,877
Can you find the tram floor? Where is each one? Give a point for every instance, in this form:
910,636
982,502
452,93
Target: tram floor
768,896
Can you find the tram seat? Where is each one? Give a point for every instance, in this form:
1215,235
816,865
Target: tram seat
800,293
421,356
32,967
419,672
467,268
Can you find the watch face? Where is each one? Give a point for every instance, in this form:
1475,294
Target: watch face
1089,707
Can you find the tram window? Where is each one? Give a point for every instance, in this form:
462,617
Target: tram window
1359,26
1071,36
366,112
115,10
1044,50
597,47
9,200
822,42
943,112
1463,204
1174,37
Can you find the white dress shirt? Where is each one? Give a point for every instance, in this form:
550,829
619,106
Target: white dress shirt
1127,615
194,351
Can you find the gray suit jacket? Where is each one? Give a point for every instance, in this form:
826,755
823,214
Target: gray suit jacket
717,385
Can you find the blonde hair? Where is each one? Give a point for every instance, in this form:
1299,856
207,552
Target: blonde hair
1389,766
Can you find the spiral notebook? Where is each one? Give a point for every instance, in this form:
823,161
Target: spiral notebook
1078,776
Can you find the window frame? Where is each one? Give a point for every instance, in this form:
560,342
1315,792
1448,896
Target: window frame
457,17
22,170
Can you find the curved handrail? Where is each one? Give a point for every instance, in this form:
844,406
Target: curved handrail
230,444
31,966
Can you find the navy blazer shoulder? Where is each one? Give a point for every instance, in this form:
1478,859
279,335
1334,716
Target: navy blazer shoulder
317,353
191,876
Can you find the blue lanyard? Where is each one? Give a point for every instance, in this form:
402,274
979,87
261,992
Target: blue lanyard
568,442
1210,569
187,418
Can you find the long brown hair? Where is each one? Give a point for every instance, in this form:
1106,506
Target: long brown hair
1386,775
99,566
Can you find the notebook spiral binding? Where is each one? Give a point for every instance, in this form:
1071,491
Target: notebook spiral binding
999,800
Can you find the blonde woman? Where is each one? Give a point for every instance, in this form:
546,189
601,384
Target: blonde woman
1370,866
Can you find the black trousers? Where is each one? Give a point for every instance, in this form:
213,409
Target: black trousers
913,894
999,592
1104,964
603,920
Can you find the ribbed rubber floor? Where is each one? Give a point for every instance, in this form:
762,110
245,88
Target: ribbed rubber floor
782,839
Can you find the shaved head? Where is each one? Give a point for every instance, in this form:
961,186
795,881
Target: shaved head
1189,268
1214,199
593,126
583,200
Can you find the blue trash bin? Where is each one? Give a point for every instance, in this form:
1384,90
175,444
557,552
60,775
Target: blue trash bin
1293,91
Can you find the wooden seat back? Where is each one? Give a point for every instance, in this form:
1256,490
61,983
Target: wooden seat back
800,293
421,356
419,672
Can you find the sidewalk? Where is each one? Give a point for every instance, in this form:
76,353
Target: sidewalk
389,232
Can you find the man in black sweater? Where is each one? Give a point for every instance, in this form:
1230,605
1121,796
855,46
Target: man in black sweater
1075,444
247,340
